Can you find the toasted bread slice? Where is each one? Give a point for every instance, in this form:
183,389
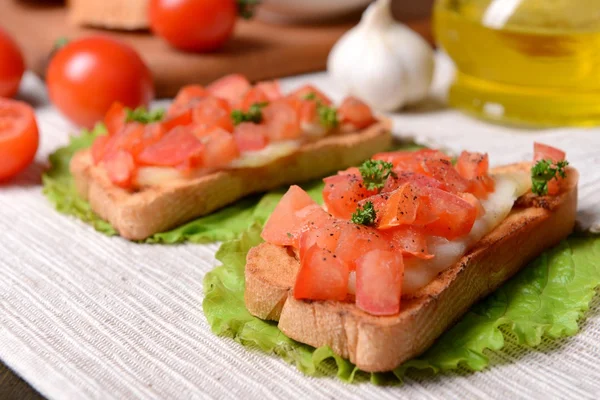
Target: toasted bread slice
138,215
382,343
112,14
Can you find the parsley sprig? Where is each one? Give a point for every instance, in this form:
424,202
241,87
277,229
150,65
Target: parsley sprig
365,215
141,114
543,172
254,114
327,114
375,173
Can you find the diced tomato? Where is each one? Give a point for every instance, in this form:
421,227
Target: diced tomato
253,96
353,111
250,137
186,96
379,276
394,182
231,88
321,277
213,112
325,237
474,167
456,216
308,90
130,137
284,226
342,194
443,170
183,118
175,148
475,202
220,149
307,112
409,239
271,89
120,168
357,240
99,148
115,117
405,205
544,152
410,161
281,119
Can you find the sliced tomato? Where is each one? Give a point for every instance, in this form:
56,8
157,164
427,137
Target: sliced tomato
456,215
220,150
250,137
544,152
356,240
120,168
271,89
379,276
284,226
19,137
213,112
321,277
231,88
253,96
309,90
343,192
409,239
443,170
281,119
175,148
187,96
355,112
115,117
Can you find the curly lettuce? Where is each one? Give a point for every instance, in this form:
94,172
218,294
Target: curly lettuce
547,298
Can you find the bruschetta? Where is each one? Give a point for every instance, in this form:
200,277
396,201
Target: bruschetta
215,145
403,246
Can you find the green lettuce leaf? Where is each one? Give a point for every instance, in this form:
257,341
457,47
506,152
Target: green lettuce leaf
225,224
547,298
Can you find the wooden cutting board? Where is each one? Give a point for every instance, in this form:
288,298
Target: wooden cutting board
257,50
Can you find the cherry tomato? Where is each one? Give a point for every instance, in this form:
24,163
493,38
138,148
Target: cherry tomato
11,66
193,25
87,75
18,137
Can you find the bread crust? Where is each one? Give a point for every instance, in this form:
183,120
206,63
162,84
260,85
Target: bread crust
382,343
141,214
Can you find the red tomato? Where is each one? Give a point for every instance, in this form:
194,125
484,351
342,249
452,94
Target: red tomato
409,239
18,137
250,137
456,216
356,113
342,194
406,205
474,167
321,277
271,89
544,152
88,75
120,168
394,182
12,65
443,170
379,275
187,96
306,90
129,138
325,237
282,120
213,112
231,88
221,148
114,120
193,25
285,225
251,97
357,240
184,118
176,148
99,148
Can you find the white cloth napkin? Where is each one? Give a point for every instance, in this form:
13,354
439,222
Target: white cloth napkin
84,316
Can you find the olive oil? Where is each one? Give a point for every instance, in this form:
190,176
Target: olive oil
533,62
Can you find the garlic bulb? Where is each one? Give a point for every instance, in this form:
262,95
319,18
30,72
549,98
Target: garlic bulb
381,61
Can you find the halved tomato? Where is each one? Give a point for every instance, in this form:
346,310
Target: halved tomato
356,113
271,89
309,90
343,192
284,225
231,88
281,119
220,148
250,137
379,275
213,112
544,152
120,168
322,276
19,137
175,148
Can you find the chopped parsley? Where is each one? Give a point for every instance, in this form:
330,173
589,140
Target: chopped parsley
365,215
310,96
375,173
254,114
543,172
141,114
327,114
